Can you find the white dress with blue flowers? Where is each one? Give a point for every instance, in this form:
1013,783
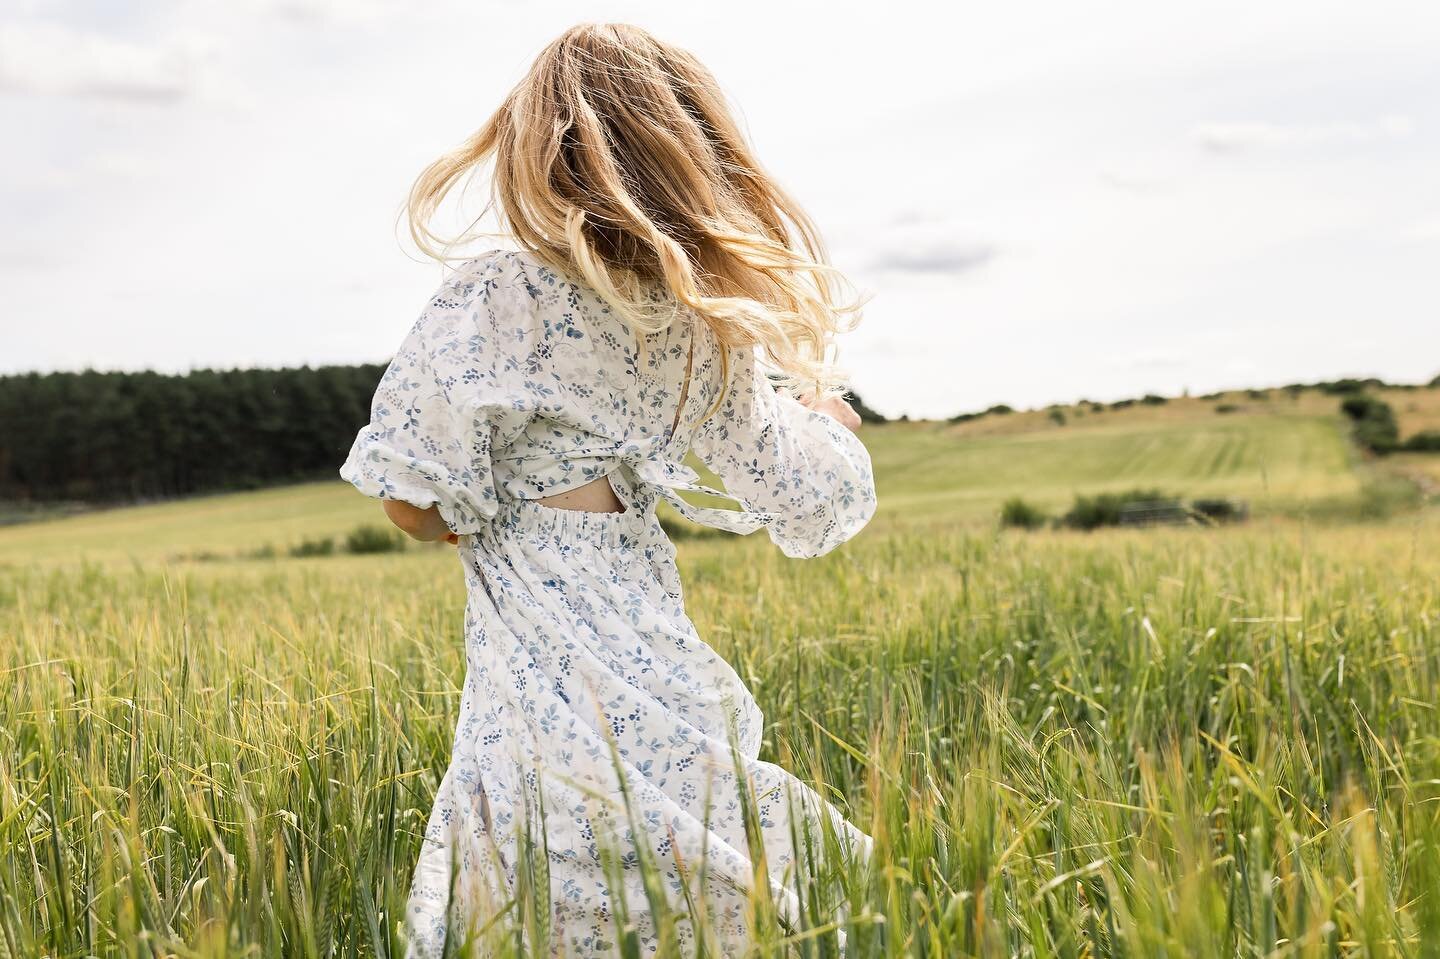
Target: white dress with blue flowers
593,719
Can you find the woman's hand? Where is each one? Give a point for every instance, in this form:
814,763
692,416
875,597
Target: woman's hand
834,405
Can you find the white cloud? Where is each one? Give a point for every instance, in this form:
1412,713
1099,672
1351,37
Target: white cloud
51,59
1240,137
916,244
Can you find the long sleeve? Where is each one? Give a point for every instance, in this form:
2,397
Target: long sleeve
454,391
781,457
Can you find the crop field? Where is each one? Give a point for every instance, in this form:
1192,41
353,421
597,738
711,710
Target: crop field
1143,742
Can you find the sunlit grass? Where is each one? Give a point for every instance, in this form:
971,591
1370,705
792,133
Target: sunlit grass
1178,742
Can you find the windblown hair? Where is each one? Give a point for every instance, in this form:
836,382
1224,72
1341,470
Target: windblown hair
617,159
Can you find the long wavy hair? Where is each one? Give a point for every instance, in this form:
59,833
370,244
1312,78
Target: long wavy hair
617,159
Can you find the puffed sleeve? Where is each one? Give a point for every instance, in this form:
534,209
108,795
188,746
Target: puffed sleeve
780,457
455,390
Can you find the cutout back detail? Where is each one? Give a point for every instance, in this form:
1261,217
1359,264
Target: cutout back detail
598,495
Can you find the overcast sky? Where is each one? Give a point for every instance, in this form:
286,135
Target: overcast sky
1047,202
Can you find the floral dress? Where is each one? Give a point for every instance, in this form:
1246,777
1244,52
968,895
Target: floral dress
598,733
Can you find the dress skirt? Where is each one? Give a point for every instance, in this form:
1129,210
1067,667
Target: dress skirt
600,739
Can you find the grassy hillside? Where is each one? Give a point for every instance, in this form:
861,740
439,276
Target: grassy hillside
1274,460
1283,454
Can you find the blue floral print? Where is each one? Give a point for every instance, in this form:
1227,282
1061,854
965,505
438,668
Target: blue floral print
591,707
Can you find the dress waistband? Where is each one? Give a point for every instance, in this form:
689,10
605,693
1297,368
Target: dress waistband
632,527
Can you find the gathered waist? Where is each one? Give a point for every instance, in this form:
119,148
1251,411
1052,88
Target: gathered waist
633,527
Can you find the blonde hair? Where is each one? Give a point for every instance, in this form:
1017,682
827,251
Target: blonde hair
617,159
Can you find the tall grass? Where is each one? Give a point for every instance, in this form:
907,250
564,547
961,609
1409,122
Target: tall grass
1178,743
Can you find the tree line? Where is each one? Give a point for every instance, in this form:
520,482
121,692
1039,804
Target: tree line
124,437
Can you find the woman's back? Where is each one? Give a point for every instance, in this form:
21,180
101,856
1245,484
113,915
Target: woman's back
519,383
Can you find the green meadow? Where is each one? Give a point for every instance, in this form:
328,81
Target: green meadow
1177,742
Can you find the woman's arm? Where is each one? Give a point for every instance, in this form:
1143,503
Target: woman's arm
424,525
799,461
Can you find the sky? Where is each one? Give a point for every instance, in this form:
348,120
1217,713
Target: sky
1044,201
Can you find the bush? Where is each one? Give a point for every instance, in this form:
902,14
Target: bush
1345,386
1105,509
1258,394
1226,408
1375,427
374,539
1152,399
1435,383
999,409
1121,404
1221,510
1057,416
1426,441
1019,514
313,547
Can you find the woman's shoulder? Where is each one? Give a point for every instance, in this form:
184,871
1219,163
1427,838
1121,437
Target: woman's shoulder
504,285
521,280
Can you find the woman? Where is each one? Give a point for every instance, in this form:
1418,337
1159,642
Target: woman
536,414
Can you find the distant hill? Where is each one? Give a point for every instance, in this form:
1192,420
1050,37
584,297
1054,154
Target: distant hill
1286,455
117,438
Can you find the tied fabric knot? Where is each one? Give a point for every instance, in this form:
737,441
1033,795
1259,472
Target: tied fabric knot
647,459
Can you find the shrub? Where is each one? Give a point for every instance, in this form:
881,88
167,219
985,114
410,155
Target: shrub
1350,385
313,547
1226,408
1426,441
1435,383
1105,509
1152,399
1121,404
1258,394
1221,510
374,539
1000,409
1375,427
1019,514
1057,416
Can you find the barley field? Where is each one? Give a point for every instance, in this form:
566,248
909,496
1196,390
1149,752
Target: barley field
1160,742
